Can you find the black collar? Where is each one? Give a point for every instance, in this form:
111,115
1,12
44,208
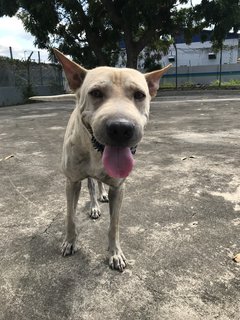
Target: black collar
96,145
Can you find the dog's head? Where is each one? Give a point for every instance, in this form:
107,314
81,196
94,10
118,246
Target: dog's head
113,102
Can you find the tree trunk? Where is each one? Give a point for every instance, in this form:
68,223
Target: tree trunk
132,58
131,50
92,38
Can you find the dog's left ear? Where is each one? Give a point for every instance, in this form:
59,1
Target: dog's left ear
74,72
153,79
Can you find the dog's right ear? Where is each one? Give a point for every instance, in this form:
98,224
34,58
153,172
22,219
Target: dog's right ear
74,72
153,79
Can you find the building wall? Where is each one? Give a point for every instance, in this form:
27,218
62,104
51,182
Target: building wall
196,54
201,75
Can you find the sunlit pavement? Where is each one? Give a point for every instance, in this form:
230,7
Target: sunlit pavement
180,222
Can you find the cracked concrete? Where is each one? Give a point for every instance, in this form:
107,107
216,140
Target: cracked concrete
180,220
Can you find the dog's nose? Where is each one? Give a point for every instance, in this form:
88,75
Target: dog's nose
120,131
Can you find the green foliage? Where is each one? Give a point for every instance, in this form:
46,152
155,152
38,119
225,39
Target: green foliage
230,83
27,92
167,85
91,31
220,15
8,8
188,84
10,61
233,82
215,83
17,62
150,64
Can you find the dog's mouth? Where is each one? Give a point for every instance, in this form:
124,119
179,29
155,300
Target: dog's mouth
117,161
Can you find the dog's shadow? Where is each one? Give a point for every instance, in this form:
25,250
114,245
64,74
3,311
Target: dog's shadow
52,277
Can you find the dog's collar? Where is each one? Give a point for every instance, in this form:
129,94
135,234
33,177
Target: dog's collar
100,147
97,145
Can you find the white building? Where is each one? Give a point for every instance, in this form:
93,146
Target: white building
197,64
200,53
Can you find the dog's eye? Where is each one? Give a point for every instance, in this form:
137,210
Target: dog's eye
139,95
96,93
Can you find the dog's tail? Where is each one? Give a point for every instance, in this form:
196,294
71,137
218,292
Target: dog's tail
60,97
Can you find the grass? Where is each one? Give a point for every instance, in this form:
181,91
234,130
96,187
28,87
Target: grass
230,83
233,83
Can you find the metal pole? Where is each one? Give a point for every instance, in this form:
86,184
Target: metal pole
28,68
11,54
29,58
40,68
220,67
176,68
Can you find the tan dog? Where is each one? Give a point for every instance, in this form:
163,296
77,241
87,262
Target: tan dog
112,108
95,211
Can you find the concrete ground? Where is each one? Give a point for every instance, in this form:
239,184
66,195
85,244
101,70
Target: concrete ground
180,223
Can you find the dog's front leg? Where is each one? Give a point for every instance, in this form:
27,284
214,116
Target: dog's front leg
72,192
117,259
103,196
95,211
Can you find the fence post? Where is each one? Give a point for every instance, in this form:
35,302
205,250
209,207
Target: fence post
40,68
11,54
220,66
28,69
176,69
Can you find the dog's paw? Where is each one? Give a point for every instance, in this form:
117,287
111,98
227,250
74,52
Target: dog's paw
95,212
117,261
103,197
68,248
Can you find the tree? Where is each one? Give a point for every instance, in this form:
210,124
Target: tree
221,16
141,23
91,31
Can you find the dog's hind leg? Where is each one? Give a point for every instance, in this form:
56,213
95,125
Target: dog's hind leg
103,196
117,259
72,191
94,206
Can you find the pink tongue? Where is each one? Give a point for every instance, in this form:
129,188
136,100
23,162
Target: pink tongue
117,161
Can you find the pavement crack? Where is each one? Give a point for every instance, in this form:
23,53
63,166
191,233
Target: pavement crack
21,194
51,223
34,204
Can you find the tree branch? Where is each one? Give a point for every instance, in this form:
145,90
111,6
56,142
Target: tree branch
92,38
114,15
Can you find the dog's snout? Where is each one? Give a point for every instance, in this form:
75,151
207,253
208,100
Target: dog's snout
120,131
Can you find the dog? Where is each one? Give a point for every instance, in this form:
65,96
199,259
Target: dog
107,124
95,211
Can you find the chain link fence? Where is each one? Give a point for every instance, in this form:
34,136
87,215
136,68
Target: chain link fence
21,79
